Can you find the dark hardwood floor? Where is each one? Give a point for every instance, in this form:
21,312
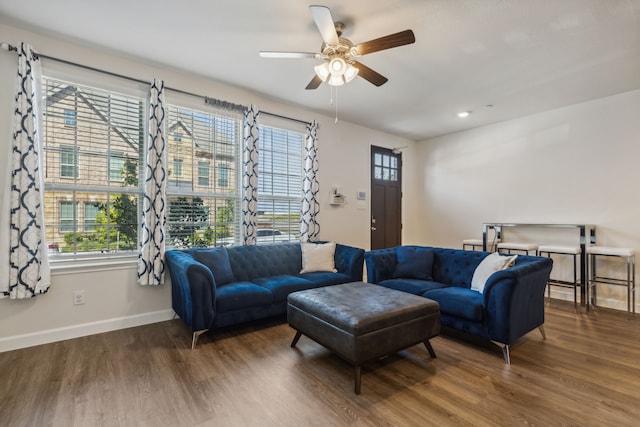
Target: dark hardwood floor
586,373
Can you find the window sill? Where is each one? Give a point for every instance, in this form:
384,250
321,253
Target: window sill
83,265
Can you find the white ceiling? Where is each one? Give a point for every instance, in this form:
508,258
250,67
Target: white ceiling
519,56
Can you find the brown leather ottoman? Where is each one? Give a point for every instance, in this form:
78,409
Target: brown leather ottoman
361,322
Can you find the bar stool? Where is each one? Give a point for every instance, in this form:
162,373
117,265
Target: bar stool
625,254
518,247
474,243
563,250
477,243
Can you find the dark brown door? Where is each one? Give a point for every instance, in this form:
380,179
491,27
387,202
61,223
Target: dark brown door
386,198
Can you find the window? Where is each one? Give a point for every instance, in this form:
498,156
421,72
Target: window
101,152
177,167
279,184
385,167
68,215
202,211
203,174
223,175
116,166
91,212
68,161
70,117
92,168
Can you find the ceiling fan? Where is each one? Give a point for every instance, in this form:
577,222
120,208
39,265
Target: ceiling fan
339,54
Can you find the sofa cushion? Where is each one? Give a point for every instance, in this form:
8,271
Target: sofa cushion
455,267
412,286
325,278
492,263
240,295
217,259
457,301
414,263
281,286
318,257
251,261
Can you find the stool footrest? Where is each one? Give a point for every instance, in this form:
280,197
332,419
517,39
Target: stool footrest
518,246
610,251
569,250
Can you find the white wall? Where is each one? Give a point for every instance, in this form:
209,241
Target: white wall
113,299
577,164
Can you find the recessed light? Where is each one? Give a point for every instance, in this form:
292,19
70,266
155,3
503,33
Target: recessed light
463,114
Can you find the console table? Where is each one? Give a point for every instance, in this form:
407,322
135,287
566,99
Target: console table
587,238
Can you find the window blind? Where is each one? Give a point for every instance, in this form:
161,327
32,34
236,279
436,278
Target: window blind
93,141
279,184
203,186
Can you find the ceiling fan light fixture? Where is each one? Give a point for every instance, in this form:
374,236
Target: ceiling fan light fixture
336,80
336,72
351,73
322,71
337,66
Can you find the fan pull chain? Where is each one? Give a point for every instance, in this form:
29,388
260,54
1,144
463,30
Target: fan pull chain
334,100
336,121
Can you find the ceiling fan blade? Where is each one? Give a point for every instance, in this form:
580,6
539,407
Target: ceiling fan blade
387,42
289,55
314,83
370,75
324,21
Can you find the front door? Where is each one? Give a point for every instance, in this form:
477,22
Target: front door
386,198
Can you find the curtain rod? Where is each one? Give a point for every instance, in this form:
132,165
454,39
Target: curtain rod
207,100
285,117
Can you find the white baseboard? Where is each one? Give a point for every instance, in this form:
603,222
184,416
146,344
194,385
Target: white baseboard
75,331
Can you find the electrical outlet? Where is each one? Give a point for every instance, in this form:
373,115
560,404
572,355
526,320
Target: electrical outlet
78,297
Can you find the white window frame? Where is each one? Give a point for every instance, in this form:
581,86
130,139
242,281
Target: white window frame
74,189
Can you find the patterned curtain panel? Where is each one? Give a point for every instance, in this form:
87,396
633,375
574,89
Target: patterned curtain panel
250,176
152,235
309,226
24,265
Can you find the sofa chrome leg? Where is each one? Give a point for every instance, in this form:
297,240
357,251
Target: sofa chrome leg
544,334
194,339
505,353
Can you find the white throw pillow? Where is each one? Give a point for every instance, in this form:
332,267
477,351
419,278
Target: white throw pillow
318,257
487,267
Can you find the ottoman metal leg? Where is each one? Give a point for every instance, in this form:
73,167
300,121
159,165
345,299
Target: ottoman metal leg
296,338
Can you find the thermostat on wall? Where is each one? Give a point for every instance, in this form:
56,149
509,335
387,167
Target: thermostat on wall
362,195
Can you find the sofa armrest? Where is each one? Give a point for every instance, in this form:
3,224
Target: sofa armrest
514,299
193,290
381,264
349,260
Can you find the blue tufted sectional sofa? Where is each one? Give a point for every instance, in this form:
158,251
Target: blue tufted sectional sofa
217,287
510,306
